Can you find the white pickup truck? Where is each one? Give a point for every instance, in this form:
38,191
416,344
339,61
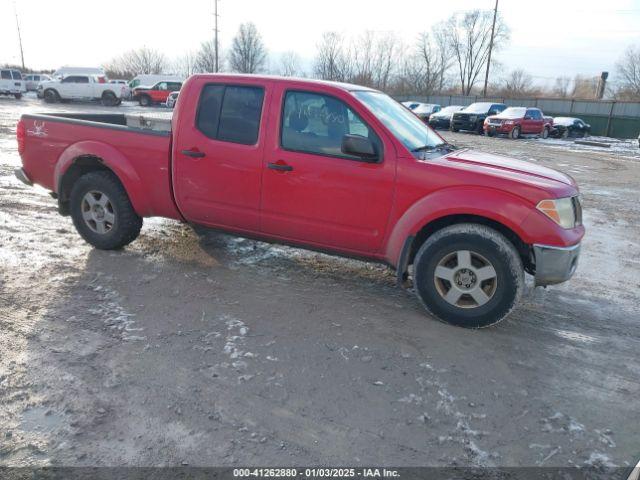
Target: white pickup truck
82,87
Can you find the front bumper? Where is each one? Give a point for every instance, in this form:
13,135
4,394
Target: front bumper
464,125
439,123
555,264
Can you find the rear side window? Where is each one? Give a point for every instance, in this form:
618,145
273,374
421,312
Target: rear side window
230,113
6,75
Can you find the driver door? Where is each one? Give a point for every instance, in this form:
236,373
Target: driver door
312,192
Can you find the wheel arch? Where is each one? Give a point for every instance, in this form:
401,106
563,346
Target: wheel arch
499,210
85,157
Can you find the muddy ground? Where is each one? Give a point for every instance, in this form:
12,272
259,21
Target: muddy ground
205,349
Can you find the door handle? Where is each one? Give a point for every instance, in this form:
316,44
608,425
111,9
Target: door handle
280,167
193,153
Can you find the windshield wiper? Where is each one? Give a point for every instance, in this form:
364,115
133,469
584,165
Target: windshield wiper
437,146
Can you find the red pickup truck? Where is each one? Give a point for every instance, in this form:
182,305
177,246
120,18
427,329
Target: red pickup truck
517,121
327,166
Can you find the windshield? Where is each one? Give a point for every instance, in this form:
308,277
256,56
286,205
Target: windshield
478,107
404,125
513,112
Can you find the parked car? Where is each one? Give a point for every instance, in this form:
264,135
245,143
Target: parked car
32,80
472,117
157,93
517,121
422,110
153,79
82,87
172,99
11,83
442,118
323,165
565,127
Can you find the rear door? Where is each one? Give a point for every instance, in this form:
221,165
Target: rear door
217,154
312,192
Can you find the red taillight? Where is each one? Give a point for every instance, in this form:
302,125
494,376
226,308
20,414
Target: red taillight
20,136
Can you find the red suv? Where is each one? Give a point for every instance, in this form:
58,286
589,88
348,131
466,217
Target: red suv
158,93
515,121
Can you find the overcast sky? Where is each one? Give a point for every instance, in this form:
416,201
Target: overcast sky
564,38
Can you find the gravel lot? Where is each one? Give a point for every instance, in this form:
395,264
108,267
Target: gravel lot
192,347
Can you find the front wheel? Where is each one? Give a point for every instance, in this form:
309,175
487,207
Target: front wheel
51,96
145,101
18,96
102,212
545,132
468,275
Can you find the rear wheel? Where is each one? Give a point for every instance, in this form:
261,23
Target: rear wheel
109,99
468,275
102,212
515,133
51,96
18,96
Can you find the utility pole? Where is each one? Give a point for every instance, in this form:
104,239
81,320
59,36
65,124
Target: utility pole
15,10
215,29
493,29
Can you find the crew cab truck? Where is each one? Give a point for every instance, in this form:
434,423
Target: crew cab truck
82,87
516,121
472,118
326,166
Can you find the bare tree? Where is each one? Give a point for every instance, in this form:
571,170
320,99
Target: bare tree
628,69
374,61
469,36
290,65
385,60
561,87
248,53
584,87
332,60
205,61
185,64
141,61
517,84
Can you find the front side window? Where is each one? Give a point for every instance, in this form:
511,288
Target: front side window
230,113
316,123
17,75
6,75
161,86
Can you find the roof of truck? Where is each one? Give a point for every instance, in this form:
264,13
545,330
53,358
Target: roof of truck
271,78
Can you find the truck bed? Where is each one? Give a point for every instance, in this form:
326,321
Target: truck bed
53,141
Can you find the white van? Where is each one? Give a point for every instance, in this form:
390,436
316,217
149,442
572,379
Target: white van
11,83
149,80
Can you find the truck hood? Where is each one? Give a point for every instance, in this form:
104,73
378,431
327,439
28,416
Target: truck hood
507,164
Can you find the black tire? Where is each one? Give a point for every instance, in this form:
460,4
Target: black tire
515,133
18,96
145,101
490,133
51,96
486,243
454,130
109,99
480,128
565,133
545,132
127,224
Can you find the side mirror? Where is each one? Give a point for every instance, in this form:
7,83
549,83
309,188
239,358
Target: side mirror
359,146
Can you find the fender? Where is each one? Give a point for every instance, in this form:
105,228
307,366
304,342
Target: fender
497,205
112,159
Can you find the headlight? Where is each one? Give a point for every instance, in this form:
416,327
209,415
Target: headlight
561,211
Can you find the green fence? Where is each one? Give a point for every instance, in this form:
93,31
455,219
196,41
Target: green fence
607,118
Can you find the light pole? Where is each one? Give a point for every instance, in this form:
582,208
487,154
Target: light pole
15,10
215,47
493,28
